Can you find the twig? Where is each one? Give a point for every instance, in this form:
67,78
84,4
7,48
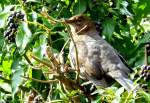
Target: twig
39,24
129,94
76,52
52,58
41,81
64,46
27,59
41,61
5,80
52,20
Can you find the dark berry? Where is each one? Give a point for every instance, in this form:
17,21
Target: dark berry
147,68
148,47
21,16
17,14
14,29
145,71
11,39
13,25
143,75
148,52
145,78
6,33
10,19
148,73
144,86
143,66
142,71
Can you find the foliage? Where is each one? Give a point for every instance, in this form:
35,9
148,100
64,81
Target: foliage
125,26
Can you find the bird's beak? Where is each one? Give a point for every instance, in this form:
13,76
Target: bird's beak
68,21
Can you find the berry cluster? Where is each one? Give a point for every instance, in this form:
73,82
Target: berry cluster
13,23
145,73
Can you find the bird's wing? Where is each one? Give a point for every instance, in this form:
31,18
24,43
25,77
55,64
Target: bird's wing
114,66
110,58
124,61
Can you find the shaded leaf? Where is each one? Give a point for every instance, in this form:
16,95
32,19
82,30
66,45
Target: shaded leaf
17,71
79,7
109,27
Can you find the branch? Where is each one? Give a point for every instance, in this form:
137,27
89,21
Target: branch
41,61
39,24
76,52
64,46
5,80
53,59
52,20
27,59
41,81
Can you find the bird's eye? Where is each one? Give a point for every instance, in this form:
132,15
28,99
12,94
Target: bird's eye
78,22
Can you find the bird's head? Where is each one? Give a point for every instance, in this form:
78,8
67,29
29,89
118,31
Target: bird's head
80,24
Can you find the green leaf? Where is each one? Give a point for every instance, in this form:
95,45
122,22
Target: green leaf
143,97
65,35
43,88
4,87
3,18
23,36
124,9
1,41
40,46
109,27
80,7
144,39
4,15
118,95
17,71
6,65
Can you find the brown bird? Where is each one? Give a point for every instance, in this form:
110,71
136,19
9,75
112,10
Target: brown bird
98,60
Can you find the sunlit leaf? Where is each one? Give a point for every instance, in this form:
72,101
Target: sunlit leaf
23,36
40,46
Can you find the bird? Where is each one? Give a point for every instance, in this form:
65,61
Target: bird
97,59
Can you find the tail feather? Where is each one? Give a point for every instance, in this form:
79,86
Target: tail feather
126,83
122,78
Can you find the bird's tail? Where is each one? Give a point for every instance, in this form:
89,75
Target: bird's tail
126,83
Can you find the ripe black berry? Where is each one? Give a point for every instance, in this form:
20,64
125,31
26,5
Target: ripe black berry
144,86
6,33
145,72
13,23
